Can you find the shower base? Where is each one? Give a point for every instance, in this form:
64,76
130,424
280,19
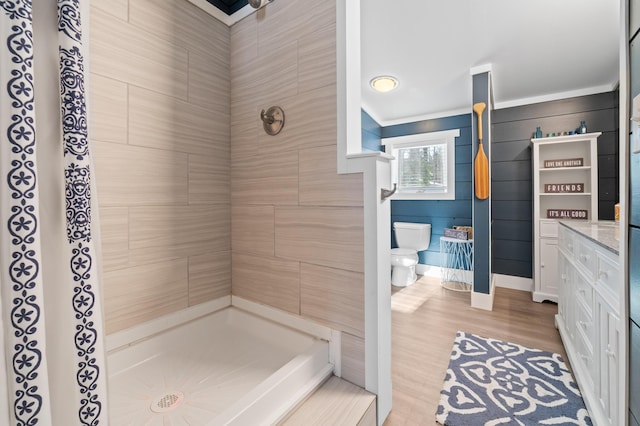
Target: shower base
228,368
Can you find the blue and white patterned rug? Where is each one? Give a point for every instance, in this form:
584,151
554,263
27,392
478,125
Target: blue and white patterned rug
492,382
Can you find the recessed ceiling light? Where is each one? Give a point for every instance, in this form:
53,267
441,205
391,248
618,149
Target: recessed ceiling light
384,83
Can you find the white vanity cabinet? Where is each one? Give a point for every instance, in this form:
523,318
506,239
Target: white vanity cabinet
589,318
565,186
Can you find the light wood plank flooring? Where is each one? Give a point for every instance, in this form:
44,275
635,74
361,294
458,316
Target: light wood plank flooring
425,320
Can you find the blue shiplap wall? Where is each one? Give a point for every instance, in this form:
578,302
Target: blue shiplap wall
511,185
371,133
511,176
439,213
482,208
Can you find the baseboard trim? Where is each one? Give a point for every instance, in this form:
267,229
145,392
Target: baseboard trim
514,283
436,272
428,270
482,300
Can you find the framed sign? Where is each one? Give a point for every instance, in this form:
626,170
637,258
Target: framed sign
564,162
567,214
565,188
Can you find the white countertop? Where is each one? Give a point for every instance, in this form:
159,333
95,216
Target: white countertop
603,232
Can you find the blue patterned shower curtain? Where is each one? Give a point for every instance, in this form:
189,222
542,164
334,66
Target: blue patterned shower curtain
49,280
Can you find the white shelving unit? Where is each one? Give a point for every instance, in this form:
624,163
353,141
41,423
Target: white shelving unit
580,154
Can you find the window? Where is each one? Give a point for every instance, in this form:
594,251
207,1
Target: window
424,165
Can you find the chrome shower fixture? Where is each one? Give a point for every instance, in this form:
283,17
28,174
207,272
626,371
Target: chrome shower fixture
257,4
272,120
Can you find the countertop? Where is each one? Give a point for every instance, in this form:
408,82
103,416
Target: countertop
603,232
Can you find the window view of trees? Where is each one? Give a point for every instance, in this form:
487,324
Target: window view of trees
422,168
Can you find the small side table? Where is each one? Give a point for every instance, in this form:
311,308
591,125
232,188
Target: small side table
456,263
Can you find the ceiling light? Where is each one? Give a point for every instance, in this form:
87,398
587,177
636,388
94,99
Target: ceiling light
384,83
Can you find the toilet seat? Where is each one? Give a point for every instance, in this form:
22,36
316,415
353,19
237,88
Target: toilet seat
403,252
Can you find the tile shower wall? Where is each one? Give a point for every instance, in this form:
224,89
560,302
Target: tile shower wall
297,226
160,92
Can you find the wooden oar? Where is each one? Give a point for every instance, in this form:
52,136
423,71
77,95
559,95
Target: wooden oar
481,163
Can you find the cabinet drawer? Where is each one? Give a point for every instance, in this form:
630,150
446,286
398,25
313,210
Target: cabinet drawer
584,292
586,256
549,228
565,241
584,323
607,275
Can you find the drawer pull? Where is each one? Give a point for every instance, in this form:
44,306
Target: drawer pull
610,353
582,291
603,274
583,324
585,357
584,257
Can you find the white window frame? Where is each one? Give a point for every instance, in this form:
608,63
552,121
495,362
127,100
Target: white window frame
447,137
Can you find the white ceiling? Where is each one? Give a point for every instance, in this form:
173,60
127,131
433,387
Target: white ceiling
538,50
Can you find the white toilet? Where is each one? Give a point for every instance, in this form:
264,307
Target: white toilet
411,238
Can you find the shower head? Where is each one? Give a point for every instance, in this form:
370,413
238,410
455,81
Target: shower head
257,4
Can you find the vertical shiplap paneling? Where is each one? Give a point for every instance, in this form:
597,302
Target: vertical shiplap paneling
439,213
481,219
371,133
512,129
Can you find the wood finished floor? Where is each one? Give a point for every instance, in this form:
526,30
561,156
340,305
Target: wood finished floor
425,318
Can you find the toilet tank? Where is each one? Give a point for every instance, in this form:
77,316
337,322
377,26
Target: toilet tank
416,236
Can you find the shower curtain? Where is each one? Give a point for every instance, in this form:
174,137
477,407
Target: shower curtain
54,362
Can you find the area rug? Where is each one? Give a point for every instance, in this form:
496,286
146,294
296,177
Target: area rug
492,382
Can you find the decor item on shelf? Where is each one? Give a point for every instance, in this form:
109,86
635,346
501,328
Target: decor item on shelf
458,234
616,212
563,188
538,132
582,129
469,230
481,163
492,381
567,214
272,120
563,162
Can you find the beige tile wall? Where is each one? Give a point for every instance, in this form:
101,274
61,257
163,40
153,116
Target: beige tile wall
297,226
176,97
160,98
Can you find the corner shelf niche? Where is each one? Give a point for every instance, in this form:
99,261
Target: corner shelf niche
566,161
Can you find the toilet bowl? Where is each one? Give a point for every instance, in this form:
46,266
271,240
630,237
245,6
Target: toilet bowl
411,238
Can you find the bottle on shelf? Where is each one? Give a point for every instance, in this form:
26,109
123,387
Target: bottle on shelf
582,129
538,132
